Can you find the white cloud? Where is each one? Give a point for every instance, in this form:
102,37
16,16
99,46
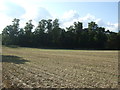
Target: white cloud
6,11
70,15
9,11
86,19
37,14
32,9
23,10
100,22
112,27
5,20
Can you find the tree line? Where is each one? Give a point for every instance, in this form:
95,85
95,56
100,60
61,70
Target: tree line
48,34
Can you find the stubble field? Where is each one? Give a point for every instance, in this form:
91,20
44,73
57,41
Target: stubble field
45,68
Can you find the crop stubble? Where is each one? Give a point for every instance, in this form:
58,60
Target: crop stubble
34,68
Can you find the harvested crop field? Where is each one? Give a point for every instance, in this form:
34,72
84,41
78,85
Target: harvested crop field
45,68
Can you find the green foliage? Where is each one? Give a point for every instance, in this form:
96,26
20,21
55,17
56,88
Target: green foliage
49,34
10,33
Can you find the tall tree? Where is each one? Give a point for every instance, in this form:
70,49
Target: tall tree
10,33
78,31
40,33
49,34
49,25
28,33
21,37
100,38
92,26
112,41
70,37
56,32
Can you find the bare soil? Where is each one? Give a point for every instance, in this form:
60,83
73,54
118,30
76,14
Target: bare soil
45,68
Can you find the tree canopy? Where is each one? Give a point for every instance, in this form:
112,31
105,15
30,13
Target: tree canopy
49,34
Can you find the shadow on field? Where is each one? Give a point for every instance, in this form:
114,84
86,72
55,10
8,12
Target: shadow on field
13,59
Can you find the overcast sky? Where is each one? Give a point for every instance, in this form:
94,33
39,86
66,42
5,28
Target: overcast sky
103,13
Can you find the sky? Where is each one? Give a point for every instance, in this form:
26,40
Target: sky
104,13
